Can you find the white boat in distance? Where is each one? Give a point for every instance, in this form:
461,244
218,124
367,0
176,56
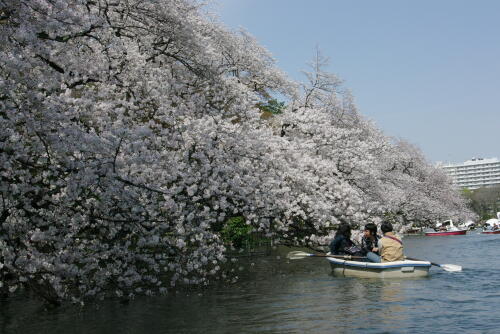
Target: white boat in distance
446,228
492,222
396,269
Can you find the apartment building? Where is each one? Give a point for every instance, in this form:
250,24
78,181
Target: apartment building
474,173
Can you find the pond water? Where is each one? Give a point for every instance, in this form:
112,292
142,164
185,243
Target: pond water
275,295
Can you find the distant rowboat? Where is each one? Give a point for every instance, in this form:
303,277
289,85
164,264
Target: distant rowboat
490,232
441,233
447,228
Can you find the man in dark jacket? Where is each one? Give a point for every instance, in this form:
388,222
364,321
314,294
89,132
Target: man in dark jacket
342,244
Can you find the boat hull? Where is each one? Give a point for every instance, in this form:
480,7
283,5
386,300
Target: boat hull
397,269
441,233
491,232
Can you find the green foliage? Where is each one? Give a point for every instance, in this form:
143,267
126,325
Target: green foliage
236,232
485,202
467,193
272,106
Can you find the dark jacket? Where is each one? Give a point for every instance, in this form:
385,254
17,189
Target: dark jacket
367,245
340,246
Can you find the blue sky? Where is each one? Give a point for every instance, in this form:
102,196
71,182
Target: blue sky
426,71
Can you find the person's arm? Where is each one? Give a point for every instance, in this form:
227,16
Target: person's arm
334,245
379,245
375,245
364,246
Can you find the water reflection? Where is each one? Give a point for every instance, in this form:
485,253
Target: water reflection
392,295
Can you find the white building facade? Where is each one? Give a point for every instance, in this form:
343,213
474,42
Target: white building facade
474,173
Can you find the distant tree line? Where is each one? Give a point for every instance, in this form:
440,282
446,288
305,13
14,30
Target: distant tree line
485,202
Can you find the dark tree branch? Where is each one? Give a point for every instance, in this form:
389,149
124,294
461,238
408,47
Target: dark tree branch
52,64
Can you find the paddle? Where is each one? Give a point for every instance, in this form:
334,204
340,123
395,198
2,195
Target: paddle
295,255
447,267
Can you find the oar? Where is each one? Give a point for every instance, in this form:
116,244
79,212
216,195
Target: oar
295,255
447,267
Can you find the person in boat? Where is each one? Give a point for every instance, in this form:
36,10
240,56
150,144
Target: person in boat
369,243
390,247
342,243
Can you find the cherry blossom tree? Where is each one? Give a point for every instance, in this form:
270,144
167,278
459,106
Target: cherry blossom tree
375,177
131,131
